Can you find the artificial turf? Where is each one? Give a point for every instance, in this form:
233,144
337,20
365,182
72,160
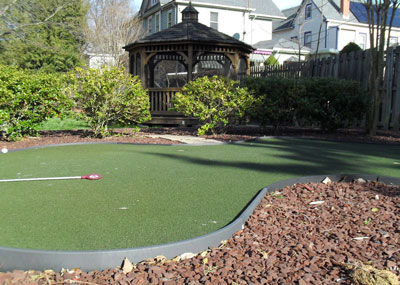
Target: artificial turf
156,194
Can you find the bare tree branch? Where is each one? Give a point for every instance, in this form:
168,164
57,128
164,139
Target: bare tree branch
19,27
112,25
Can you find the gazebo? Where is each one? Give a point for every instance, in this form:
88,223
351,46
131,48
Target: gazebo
167,60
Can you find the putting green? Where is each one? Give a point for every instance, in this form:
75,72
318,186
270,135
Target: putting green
156,194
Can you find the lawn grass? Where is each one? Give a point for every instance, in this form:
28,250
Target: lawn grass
58,124
156,194
70,123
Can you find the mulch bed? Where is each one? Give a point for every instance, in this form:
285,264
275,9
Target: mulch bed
311,233
231,135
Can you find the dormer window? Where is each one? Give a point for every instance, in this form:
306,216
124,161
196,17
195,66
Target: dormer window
308,11
154,2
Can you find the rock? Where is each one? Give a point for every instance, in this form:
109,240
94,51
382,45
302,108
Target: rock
186,255
327,180
126,266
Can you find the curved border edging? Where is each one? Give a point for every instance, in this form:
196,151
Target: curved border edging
25,259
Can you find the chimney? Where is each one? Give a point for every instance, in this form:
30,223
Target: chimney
345,8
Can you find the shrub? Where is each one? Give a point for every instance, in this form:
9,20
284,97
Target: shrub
27,99
276,100
327,102
109,96
215,101
271,60
333,103
350,47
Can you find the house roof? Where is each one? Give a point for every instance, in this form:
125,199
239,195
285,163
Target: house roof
288,23
280,43
290,12
330,9
263,7
190,31
360,13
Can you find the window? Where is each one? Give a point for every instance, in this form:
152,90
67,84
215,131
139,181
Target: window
294,39
362,42
214,20
150,25
307,39
154,2
308,12
393,41
157,23
169,23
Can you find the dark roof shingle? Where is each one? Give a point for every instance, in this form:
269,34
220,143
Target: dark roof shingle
190,31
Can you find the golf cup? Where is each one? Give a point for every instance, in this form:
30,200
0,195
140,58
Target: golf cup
4,150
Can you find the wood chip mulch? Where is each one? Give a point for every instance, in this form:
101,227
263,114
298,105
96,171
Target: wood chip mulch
304,234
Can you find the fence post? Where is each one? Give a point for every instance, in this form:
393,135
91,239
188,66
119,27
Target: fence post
387,89
396,89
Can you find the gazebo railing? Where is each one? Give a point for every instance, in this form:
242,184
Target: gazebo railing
161,100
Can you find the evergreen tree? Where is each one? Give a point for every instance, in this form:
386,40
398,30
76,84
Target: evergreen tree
42,34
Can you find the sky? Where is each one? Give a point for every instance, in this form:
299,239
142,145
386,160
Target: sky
282,4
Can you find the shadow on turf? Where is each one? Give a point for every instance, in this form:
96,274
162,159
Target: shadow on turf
311,156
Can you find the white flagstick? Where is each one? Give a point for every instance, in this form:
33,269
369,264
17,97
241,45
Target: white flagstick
88,177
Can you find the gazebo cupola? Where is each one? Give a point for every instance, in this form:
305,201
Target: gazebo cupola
190,13
167,60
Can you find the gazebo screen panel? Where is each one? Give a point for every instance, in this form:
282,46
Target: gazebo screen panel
242,72
169,73
211,64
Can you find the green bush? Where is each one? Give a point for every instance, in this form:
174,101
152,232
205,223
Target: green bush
109,96
27,99
327,102
333,103
271,60
350,47
215,101
276,100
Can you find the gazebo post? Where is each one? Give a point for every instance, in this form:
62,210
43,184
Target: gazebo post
236,59
248,64
190,64
142,68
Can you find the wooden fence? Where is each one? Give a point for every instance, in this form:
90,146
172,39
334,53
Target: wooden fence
352,66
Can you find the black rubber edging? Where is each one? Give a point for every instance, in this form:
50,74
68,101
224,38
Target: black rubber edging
26,259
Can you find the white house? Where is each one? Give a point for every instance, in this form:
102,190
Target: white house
247,20
98,60
332,23
283,50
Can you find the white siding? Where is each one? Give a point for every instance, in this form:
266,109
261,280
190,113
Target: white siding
260,30
302,26
338,34
250,28
346,36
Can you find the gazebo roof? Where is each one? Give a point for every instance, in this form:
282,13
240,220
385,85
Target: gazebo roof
190,31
